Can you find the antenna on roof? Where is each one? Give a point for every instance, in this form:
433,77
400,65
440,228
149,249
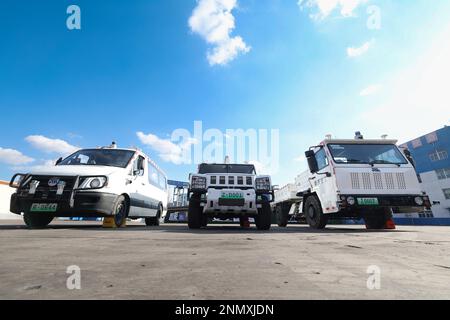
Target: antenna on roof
384,136
113,145
358,135
227,160
328,136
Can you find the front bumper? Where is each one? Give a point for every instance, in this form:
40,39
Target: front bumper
85,204
404,203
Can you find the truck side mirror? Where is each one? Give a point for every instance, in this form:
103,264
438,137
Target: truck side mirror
58,161
312,161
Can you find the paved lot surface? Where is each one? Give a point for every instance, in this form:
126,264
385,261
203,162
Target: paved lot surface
222,262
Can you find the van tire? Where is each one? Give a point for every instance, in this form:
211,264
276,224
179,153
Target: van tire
37,220
195,213
282,215
120,211
314,214
154,221
263,220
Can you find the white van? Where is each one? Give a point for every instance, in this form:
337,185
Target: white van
102,182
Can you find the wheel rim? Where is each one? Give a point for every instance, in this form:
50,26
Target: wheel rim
120,213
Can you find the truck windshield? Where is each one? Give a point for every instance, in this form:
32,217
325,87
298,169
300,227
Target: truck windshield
99,157
367,154
227,168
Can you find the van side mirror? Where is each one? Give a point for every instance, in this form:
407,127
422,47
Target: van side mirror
58,161
312,161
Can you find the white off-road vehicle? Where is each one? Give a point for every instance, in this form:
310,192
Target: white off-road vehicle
227,191
352,178
102,182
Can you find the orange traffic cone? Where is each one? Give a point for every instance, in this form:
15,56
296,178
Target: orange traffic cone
390,224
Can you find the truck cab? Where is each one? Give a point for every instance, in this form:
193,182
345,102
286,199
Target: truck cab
100,182
228,191
359,178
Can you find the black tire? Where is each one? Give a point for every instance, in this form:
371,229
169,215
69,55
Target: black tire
120,211
195,213
282,215
154,221
37,220
263,220
376,219
314,214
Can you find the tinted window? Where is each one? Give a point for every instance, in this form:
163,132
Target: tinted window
99,157
226,168
156,177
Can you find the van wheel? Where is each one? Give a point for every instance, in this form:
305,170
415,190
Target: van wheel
154,221
282,215
120,211
263,220
376,219
195,213
314,214
37,221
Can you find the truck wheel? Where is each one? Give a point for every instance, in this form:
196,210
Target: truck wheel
37,221
314,214
120,211
376,220
195,213
282,215
154,221
263,220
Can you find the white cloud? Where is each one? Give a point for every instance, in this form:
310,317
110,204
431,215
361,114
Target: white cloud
370,90
166,149
417,98
13,157
213,21
42,165
326,7
354,52
51,145
300,159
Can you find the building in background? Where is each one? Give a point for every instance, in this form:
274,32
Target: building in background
431,155
5,197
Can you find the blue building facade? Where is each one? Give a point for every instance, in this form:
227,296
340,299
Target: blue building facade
431,155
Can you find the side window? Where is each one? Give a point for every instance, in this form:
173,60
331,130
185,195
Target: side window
322,159
162,181
153,175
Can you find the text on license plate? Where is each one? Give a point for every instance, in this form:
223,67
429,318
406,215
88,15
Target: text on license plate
368,201
44,207
232,195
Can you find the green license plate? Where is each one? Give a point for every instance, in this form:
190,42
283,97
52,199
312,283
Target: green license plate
232,195
368,201
44,207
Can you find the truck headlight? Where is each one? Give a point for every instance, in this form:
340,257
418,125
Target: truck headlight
418,201
351,201
93,183
198,183
262,184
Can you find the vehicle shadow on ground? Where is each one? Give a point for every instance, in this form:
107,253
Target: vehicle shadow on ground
211,229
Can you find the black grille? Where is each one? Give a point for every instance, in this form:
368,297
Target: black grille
44,191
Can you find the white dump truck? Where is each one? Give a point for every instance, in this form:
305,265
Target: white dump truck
352,178
227,191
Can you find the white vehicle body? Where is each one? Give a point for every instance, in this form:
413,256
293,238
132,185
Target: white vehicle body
347,188
69,190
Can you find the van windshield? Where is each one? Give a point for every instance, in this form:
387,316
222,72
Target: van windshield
367,153
99,157
227,168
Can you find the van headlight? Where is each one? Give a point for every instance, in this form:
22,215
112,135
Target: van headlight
262,184
93,183
198,183
418,200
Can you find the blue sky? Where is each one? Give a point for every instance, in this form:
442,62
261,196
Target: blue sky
306,68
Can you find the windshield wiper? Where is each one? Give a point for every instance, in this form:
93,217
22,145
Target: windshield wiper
372,163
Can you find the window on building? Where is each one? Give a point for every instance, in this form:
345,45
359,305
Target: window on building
443,173
438,155
431,137
446,193
416,143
